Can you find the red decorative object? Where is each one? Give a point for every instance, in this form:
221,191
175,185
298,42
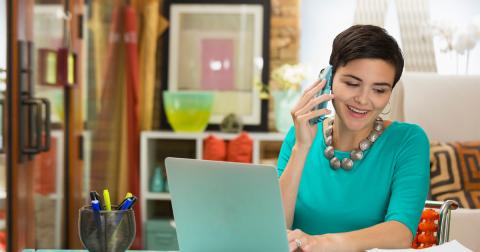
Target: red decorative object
45,172
240,149
426,233
3,241
133,127
214,148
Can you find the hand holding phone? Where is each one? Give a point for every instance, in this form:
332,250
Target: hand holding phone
325,74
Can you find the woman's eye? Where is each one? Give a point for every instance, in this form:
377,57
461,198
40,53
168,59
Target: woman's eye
380,91
351,84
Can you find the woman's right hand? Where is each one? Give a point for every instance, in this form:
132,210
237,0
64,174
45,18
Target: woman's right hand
302,113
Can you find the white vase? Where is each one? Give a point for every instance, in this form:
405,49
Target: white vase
284,102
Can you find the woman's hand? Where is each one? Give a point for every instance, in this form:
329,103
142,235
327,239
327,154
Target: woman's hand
298,241
302,113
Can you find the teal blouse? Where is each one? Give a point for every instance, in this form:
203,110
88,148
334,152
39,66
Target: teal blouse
389,183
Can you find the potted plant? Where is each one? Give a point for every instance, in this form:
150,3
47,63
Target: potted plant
285,88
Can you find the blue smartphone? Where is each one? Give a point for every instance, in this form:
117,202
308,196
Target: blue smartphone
325,74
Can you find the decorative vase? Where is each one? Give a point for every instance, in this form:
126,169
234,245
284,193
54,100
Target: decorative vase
284,102
165,188
157,183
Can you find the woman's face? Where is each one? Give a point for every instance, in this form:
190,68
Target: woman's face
362,89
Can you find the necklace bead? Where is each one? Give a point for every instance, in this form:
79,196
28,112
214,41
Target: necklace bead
365,144
378,125
329,131
372,137
329,140
357,154
329,152
335,163
347,164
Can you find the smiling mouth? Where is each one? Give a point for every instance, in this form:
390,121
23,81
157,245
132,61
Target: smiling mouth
357,111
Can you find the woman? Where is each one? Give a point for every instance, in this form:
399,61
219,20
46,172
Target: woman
363,185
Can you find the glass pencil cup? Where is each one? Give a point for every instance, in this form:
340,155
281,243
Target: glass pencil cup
106,231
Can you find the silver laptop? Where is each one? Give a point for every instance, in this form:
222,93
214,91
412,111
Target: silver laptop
223,206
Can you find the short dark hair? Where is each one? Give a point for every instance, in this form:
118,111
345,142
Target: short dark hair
366,41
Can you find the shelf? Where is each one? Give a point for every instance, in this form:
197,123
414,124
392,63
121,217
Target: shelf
155,146
174,135
157,196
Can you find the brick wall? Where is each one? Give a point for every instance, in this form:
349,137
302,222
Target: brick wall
285,32
284,39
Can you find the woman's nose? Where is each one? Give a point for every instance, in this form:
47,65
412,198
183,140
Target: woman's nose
362,97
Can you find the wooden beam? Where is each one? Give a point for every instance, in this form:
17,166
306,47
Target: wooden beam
20,210
74,116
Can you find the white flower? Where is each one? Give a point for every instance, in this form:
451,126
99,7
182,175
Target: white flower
445,31
463,41
453,37
289,76
475,26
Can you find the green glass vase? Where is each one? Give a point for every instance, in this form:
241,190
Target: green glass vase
157,183
284,101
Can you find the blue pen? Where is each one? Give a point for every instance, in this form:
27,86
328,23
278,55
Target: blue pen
96,213
96,206
128,203
95,196
98,219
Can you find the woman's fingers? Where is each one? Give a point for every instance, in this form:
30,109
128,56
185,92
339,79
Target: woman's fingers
308,94
296,240
292,247
312,86
312,114
313,103
294,234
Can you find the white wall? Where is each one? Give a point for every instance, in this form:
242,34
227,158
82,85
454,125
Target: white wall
321,21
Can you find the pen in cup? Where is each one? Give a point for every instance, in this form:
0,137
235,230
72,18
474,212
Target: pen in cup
126,204
95,196
106,198
128,195
96,213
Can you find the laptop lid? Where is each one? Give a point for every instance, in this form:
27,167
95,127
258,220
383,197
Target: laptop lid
223,206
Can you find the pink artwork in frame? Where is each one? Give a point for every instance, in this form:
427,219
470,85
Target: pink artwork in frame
217,64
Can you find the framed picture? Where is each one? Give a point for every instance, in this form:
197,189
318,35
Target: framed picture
223,48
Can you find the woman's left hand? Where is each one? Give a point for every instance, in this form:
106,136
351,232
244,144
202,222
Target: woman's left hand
300,241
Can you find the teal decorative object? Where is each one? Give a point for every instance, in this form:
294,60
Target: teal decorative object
157,183
166,186
284,102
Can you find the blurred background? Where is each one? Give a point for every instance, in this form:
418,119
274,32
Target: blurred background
96,94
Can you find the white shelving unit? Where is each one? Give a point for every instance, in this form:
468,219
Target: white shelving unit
152,154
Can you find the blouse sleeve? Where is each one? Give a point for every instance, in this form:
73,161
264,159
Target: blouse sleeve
411,178
286,151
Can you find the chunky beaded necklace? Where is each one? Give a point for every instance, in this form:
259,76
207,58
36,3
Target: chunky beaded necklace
357,154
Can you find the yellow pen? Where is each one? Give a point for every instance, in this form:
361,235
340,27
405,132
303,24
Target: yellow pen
106,199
